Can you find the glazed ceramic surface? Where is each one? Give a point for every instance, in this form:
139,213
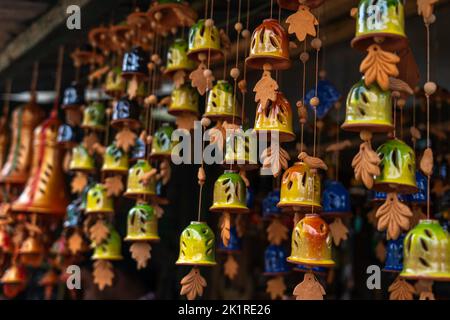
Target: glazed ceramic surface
221,103
229,193
135,185
110,249
115,160
142,224
98,200
204,40
184,100
197,245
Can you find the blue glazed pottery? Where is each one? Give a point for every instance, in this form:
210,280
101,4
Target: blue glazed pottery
394,255
335,199
419,197
275,260
269,204
134,63
234,244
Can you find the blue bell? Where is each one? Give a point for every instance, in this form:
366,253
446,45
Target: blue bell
328,95
138,150
73,96
420,197
68,136
269,204
275,260
74,213
316,269
394,255
335,199
125,112
380,197
135,63
234,244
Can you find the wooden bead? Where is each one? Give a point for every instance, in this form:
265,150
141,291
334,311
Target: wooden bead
322,74
396,94
304,57
207,73
316,43
267,67
158,16
299,104
401,103
430,20
238,27
202,56
234,73
205,122
209,23
314,101
155,58
245,34
430,88
365,135
152,99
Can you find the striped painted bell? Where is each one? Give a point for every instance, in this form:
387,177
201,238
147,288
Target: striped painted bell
197,244
94,116
177,59
162,143
109,249
98,200
142,224
204,40
394,255
115,160
184,100
275,260
135,186
81,160
221,103
229,193
335,199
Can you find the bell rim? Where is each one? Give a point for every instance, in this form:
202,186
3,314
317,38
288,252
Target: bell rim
218,208
392,42
131,123
309,262
33,209
213,53
161,155
138,194
83,169
221,116
357,127
320,273
142,239
198,263
112,258
438,276
299,207
117,171
285,136
402,188
259,60
89,211
94,127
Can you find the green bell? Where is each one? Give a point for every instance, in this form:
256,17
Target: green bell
177,58
240,152
81,160
368,108
98,201
221,103
115,85
142,224
397,168
204,40
115,160
110,249
184,100
197,245
94,116
135,186
162,142
230,193
427,252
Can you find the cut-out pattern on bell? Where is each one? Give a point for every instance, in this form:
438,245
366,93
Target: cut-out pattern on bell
134,63
73,96
229,193
110,249
81,160
197,243
69,136
275,260
427,252
136,186
276,117
300,189
328,95
115,85
394,255
269,205
125,113
293,4
142,224
45,190
94,116
234,243
368,108
115,160
162,143
204,40
335,199
184,100
177,58
241,150
269,45
420,197
381,21
221,103
311,242
98,200
397,168
74,214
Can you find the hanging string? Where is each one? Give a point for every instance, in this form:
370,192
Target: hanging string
271,9
302,125
8,88
227,30
246,52
414,120
337,143
427,96
34,79
395,118
58,78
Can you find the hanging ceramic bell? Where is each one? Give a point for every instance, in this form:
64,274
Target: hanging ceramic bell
335,200
115,85
204,40
293,4
167,15
394,255
115,160
177,59
197,245
184,100
110,249
276,117
229,193
73,96
94,116
125,113
300,189
234,243
241,151
13,280
222,105
427,252
269,45
69,136
162,143
81,160
275,260
134,64
311,242
420,197
269,205
45,190
368,108
136,187
31,251
397,168
74,214
138,150
142,224
382,22
98,200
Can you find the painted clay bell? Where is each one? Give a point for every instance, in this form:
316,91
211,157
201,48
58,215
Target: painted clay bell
204,40
73,96
138,150
275,260
397,168
234,243
197,243
69,136
269,45
276,118
311,242
300,189
222,105
229,193
13,281
125,113
177,59
269,204
368,108
110,249
31,251
394,255
162,143
184,100
382,22
335,199
134,64
328,95
427,252
115,160
136,187
115,85
241,150
81,160
98,200
94,116
142,224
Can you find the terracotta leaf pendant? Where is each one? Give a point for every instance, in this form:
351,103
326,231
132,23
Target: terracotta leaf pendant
275,161
125,139
98,232
365,164
396,84
276,288
309,289
265,89
141,252
198,80
75,243
103,274
400,289
114,186
225,225
277,232
378,66
393,216
78,182
339,231
312,162
302,23
425,7
426,163
192,284
231,267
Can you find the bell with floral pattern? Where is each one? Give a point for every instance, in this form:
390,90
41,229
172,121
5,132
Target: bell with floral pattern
197,243
142,224
139,184
222,105
110,248
204,40
115,160
241,150
94,116
177,59
115,85
229,193
184,100
98,200
81,160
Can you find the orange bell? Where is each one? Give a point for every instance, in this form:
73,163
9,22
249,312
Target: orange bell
31,252
13,281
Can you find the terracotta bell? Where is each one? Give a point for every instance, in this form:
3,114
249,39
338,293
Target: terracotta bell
98,200
368,108
269,45
115,85
45,190
311,242
335,200
204,40
277,118
300,189
81,160
135,186
142,224
381,21
69,136
293,4
170,16
177,59
394,255
397,168
126,113
134,64
234,243
275,260
115,160
241,150
162,143
184,100
222,105
110,249
229,193
73,96
94,116
31,251
24,120
13,281
427,252
197,244
269,205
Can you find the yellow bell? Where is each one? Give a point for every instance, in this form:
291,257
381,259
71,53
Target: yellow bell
222,105
229,193
81,160
311,242
177,58
241,152
31,251
115,160
184,100
94,116
162,143
300,189
136,187
276,117
142,224
204,40
115,85
197,243
14,275
98,200
110,249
